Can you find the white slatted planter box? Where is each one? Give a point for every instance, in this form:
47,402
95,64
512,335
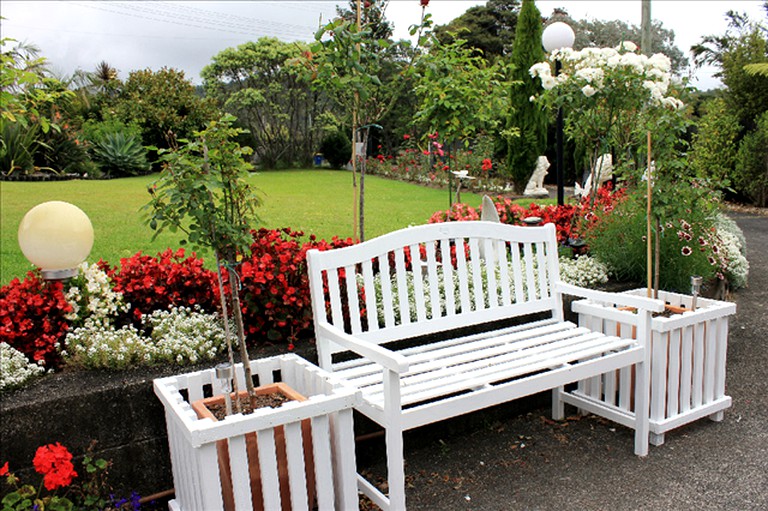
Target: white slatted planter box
193,441
688,362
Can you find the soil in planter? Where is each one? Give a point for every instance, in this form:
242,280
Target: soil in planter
275,400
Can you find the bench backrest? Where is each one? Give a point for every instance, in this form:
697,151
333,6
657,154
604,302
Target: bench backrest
436,277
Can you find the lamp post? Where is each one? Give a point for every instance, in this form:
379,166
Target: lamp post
56,236
556,36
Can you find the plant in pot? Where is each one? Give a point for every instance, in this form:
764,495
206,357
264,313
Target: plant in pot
203,191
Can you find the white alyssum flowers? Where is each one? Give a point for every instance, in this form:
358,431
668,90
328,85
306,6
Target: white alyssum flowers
584,271
15,369
179,335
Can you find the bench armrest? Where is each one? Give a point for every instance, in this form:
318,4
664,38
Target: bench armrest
626,300
372,351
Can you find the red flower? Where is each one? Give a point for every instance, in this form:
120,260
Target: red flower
54,461
4,470
424,3
406,137
487,164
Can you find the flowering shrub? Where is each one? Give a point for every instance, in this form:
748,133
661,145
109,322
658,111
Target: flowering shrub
92,297
570,220
613,95
86,492
179,335
584,271
275,284
33,318
15,368
150,283
734,248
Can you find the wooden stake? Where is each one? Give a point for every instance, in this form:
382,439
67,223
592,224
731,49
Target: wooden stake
355,199
648,215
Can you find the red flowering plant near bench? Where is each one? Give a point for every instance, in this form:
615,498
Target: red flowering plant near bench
571,220
275,284
33,318
171,278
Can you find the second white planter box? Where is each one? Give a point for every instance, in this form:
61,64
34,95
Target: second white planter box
193,441
688,363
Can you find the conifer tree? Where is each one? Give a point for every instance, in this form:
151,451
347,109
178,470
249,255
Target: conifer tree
527,116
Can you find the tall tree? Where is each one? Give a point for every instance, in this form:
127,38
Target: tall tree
489,28
529,117
264,86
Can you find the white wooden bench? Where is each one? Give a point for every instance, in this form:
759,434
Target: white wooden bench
369,296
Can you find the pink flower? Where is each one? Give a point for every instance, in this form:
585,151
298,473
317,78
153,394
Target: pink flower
686,251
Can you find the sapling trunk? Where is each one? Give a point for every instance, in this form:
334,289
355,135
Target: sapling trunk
227,333
238,314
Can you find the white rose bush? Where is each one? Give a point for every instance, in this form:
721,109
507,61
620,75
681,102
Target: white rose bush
610,97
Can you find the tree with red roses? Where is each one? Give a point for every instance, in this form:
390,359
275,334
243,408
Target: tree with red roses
203,191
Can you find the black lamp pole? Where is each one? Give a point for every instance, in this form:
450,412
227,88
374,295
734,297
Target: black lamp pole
559,148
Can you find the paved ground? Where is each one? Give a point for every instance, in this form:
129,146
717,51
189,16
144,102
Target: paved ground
505,462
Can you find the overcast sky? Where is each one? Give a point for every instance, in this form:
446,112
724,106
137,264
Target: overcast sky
186,35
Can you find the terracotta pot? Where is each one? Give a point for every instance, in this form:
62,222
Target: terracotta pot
222,448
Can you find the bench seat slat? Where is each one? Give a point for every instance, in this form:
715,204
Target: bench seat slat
429,360
427,352
497,372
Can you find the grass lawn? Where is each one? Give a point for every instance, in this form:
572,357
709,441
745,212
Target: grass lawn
316,201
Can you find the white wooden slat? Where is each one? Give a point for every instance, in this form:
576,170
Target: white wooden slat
386,291
544,278
270,481
658,374
418,284
370,296
673,373
610,379
433,280
450,296
345,470
491,259
698,366
477,278
625,374
721,327
334,295
402,287
353,304
501,254
461,270
710,361
210,483
241,481
530,281
595,385
294,453
503,371
195,387
517,273
321,449
686,367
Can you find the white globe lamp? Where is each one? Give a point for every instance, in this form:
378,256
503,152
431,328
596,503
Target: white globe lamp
557,35
56,236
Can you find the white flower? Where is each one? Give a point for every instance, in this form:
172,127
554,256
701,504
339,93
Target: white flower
627,46
548,82
588,91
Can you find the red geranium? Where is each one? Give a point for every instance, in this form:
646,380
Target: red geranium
54,462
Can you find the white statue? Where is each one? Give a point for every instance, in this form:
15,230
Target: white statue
603,170
489,212
535,186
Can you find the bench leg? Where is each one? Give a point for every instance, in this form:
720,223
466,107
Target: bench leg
558,406
642,408
394,439
657,439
